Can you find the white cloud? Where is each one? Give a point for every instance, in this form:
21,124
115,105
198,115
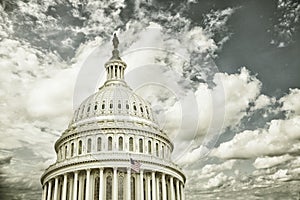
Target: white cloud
219,180
266,162
277,139
240,89
262,101
291,102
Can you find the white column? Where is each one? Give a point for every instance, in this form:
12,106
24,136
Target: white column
177,189
49,190
55,188
172,188
142,184
182,191
115,184
164,189
75,185
148,188
87,188
153,186
64,192
101,185
128,185
44,192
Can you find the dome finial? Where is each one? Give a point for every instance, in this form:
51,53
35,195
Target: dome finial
115,52
115,41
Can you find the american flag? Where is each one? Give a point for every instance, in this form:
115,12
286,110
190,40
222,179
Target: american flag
135,165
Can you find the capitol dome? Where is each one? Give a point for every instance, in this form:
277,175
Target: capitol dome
113,148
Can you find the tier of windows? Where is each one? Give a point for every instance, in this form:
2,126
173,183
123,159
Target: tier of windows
113,106
112,142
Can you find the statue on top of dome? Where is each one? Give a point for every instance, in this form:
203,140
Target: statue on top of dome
115,41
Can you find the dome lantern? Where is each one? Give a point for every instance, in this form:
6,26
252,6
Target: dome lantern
115,67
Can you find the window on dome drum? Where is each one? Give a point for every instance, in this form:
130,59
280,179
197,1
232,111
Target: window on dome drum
66,151
141,145
96,187
127,105
103,105
89,145
160,190
88,109
162,151
120,187
156,148
109,188
120,143
109,143
149,147
95,107
131,144
119,105
167,187
111,105
134,107
99,144
141,109
84,188
79,147
132,185
72,149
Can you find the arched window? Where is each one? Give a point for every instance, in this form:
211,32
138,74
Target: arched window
99,144
156,148
134,107
141,109
79,147
109,188
141,145
109,143
95,107
132,185
111,105
149,147
72,149
103,105
162,151
120,187
66,151
131,144
96,188
119,105
160,190
127,105
120,143
89,145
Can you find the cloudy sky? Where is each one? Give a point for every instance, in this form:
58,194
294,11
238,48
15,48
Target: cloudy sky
223,78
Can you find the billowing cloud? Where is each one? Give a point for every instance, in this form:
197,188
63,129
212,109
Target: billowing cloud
279,137
267,162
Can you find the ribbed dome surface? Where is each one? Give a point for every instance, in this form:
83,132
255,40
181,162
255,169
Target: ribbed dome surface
113,99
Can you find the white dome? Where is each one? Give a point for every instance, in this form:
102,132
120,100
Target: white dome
113,99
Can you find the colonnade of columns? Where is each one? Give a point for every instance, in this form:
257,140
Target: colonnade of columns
104,184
